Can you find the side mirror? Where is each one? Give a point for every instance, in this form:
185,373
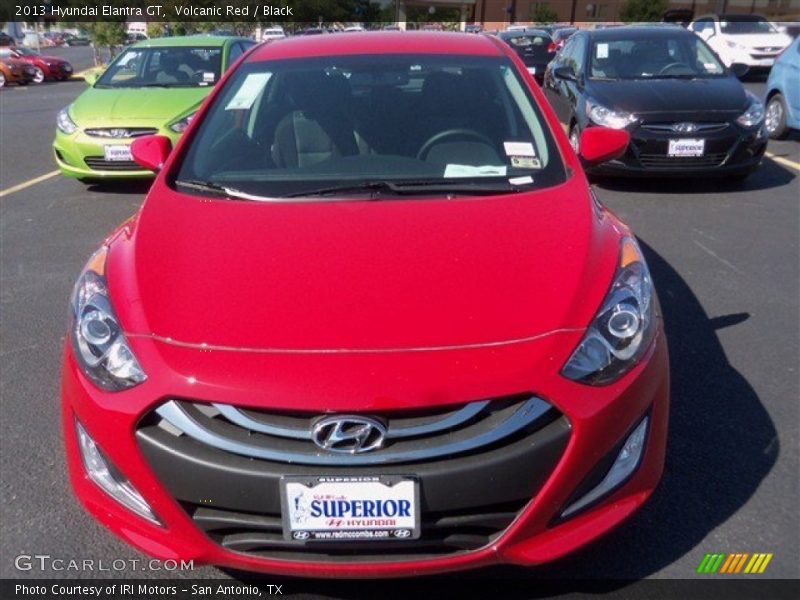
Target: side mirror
601,144
739,69
151,151
564,72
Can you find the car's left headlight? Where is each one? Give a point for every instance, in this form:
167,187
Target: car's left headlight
180,126
607,117
624,326
97,337
65,123
754,115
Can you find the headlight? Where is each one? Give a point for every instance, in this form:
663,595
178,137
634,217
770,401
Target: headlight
606,117
754,114
65,123
97,338
180,126
624,327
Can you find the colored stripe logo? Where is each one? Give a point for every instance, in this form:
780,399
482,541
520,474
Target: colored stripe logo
735,563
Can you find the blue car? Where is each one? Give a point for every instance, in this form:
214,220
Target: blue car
783,93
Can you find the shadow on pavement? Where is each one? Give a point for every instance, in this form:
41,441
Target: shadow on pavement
722,443
131,186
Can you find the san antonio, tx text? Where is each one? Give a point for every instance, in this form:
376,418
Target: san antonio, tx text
130,589
185,11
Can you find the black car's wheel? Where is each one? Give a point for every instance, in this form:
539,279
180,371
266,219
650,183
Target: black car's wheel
38,76
775,118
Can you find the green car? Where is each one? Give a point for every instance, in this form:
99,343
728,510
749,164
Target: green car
152,87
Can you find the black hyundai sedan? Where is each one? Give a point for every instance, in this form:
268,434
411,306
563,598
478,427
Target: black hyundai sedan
686,112
534,46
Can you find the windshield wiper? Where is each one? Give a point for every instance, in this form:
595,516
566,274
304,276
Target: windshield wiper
203,186
434,186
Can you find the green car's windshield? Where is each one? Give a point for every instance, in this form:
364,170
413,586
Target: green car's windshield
172,66
390,124
662,57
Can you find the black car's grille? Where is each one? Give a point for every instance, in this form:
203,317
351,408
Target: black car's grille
101,164
466,498
445,532
662,161
120,132
694,127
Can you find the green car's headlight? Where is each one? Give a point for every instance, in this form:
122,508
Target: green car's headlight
65,123
180,126
624,326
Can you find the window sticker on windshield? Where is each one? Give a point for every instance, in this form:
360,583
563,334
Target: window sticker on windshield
253,85
710,66
525,162
208,77
602,50
472,171
519,149
521,180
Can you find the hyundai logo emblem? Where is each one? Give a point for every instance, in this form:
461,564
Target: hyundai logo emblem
684,127
348,434
119,133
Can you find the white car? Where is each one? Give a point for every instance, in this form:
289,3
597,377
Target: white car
746,39
273,33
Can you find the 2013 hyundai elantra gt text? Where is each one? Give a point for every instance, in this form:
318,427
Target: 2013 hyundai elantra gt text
369,321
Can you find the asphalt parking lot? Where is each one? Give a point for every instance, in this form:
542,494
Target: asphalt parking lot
726,264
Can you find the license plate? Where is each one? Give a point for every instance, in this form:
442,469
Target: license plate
117,153
686,147
350,509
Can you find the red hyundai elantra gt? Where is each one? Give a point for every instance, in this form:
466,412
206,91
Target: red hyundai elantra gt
370,321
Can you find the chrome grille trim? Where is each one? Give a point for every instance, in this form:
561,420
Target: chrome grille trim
130,132
699,127
485,432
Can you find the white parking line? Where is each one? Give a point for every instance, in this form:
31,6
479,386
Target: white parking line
29,183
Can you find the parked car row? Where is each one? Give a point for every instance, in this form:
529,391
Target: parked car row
37,67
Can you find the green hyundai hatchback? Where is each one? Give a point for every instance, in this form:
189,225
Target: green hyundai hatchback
152,87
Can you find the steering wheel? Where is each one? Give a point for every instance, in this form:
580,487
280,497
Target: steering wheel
442,135
674,65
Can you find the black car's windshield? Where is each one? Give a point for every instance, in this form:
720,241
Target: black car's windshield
163,67
389,123
682,55
741,25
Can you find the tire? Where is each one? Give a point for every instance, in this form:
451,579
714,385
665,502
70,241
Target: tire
38,77
775,117
2,79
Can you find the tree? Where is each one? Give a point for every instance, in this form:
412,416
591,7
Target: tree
542,13
641,11
106,34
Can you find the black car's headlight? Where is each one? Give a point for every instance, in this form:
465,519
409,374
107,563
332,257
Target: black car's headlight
624,326
65,123
754,115
607,117
97,337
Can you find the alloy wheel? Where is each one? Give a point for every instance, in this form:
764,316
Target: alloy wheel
38,76
774,115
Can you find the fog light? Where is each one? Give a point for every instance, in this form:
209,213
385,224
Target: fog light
105,475
625,464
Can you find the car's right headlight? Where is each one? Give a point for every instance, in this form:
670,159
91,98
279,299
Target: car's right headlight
624,326
65,123
97,338
607,117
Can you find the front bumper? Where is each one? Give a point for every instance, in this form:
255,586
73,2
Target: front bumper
598,418
731,150
81,155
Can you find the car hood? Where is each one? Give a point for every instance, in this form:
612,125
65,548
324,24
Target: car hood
364,275
671,95
135,105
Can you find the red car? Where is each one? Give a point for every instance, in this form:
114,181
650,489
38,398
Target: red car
369,321
46,68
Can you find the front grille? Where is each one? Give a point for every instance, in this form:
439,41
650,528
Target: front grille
411,436
99,163
442,533
662,161
698,127
467,498
120,132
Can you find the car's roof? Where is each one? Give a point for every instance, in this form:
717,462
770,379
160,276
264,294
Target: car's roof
191,40
378,42
636,32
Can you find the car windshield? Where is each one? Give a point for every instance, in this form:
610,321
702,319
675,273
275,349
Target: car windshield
744,26
295,127
25,51
680,56
163,67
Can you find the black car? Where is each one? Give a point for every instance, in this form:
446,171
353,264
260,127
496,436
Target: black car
685,111
534,46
